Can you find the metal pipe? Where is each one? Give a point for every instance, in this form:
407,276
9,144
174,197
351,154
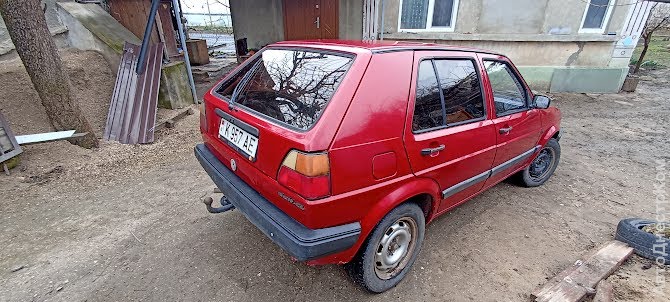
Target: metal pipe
147,35
182,39
381,28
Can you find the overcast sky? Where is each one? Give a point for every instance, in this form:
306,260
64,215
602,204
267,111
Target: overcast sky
200,6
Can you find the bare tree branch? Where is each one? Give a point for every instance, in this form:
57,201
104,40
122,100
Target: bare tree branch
659,16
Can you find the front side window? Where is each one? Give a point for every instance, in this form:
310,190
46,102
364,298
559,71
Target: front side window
448,93
437,15
596,16
508,94
290,86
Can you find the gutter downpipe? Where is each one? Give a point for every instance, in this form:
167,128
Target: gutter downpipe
381,28
139,69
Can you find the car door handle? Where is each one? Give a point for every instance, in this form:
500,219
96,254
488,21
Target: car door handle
432,151
505,130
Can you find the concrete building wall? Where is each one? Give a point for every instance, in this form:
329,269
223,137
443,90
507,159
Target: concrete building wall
540,36
508,17
517,16
573,54
351,19
53,22
260,21
568,14
91,28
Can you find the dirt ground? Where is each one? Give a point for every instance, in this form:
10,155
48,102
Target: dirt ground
126,222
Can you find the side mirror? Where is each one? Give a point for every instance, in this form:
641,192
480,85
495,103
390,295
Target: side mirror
541,101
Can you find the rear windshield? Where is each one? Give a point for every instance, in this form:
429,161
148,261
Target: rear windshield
290,86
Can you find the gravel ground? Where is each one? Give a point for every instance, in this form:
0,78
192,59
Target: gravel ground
126,222
92,81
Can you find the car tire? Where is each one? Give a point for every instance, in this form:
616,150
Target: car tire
630,231
542,166
367,269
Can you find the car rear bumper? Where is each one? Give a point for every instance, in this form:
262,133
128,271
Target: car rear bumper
296,239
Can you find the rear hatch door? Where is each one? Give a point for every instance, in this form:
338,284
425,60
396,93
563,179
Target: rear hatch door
283,98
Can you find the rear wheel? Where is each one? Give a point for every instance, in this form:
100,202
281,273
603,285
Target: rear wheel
543,166
390,250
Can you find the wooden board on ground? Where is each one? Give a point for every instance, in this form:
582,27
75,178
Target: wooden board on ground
604,292
169,122
580,279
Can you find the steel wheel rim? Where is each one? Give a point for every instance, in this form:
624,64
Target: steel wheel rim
395,248
541,165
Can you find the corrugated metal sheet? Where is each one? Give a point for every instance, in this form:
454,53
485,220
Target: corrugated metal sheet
132,111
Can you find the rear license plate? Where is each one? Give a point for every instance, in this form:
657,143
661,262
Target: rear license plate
243,140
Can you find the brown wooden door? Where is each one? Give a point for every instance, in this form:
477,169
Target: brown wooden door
310,19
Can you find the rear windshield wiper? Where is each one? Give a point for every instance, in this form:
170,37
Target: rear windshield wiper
243,82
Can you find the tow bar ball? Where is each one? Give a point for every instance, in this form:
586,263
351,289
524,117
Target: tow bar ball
225,205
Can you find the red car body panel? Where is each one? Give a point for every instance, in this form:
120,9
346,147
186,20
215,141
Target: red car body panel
463,156
375,157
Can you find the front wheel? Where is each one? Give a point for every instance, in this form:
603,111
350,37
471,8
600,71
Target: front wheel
543,166
390,250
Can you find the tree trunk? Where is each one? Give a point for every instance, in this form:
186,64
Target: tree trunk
647,40
27,27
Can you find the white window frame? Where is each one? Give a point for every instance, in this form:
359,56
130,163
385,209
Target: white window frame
606,19
429,19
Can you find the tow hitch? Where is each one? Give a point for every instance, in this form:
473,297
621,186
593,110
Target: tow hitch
225,205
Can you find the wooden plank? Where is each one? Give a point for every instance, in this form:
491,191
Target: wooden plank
167,27
560,276
575,282
169,123
133,15
604,292
161,36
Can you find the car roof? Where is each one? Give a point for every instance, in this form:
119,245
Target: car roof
378,46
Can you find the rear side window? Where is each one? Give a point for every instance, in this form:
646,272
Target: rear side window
448,93
428,111
289,86
508,94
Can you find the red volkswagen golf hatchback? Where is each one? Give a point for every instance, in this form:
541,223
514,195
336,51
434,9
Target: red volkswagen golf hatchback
342,151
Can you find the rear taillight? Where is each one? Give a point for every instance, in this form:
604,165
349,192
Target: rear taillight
307,174
203,118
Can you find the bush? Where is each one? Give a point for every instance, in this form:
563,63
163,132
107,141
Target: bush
651,64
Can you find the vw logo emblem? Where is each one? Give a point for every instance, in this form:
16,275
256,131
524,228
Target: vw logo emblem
233,165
